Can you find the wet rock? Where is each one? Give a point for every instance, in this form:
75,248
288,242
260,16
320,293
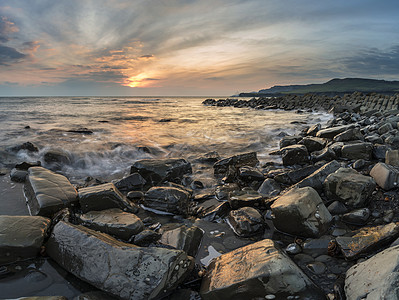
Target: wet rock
349,135
155,171
183,238
312,131
360,164
295,154
18,175
130,183
367,239
222,191
357,217
113,221
317,267
239,199
246,221
385,128
56,156
26,146
108,264
47,192
21,237
221,167
81,130
293,249
392,158
337,208
301,212
386,176
135,196
295,176
209,158
289,140
330,133
212,209
256,271
104,196
349,186
316,246
146,237
26,165
358,151
316,179
249,174
326,154
375,278
45,298
167,199
269,188
95,295
313,143
379,151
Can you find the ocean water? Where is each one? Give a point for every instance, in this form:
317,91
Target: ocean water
126,129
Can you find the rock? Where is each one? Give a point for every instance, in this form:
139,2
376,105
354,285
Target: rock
209,158
386,176
330,133
385,128
312,131
367,239
392,158
295,176
337,208
295,154
146,237
47,192
26,165
317,267
301,212
183,238
348,135
360,164
374,278
316,179
239,199
132,182
358,151
112,221
121,269
21,237
103,196
293,249
246,221
357,217
374,138
222,191
349,186
316,246
18,175
81,130
221,167
26,146
135,196
167,199
212,209
249,174
313,143
379,151
256,271
269,188
289,140
94,295
155,171
327,154
56,156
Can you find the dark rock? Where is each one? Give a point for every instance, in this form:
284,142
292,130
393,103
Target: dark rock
56,156
295,176
26,146
313,143
358,151
349,135
392,158
249,174
289,140
357,217
222,191
379,151
239,199
367,239
327,154
81,130
108,264
21,237
155,171
246,221
386,176
18,175
221,167
269,188
295,154
374,278
256,271
312,131
360,164
47,192
209,158
183,238
112,221
167,199
135,196
132,182
301,212
385,128
103,197
293,249
374,139
316,246
349,186
146,237
94,295
330,133
317,267
337,208
26,165
212,209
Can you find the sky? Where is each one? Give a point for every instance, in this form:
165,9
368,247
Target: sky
189,47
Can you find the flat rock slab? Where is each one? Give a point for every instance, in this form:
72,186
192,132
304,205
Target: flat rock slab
103,196
183,238
246,221
330,133
167,199
48,192
21,237
114,222
155,171
367,240
121,269
375,278
255,271
386,176
294,154
239,199
222,166
358,151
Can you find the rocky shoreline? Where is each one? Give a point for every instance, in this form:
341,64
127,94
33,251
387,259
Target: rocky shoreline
323,224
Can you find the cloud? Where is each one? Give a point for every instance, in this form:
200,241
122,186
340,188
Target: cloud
10,55
147,56
6,29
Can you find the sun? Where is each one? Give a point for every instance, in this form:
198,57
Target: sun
136,81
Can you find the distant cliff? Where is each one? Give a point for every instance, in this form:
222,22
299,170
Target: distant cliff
347,85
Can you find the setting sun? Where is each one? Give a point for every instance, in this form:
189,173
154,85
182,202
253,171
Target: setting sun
140,80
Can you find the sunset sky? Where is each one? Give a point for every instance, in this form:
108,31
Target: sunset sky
188,47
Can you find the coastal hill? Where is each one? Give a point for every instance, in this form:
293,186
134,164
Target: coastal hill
346,85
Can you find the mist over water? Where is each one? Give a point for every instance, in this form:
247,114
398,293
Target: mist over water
126,129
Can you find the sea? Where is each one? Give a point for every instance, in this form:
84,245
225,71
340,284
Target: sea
104,136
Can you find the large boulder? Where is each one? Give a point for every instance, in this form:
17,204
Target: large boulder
21,237
349,186
269,188
301,212
130,183
112,221
313,143
167,199
254,272
246,221
104,196
295,154
48,192
330,133
358,151
222,166
155,171
183,238
121,269
374,278
386,176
